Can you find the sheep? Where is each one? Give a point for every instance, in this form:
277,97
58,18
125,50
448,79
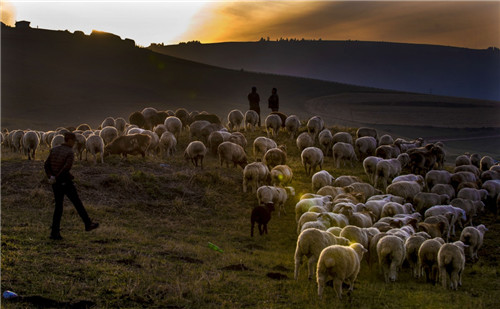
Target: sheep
108,134
343,152
273,124
303,205
312,216
475,159
412,245
342,264
168,144
95,145
292,125
79,146
331,191
365,188
486,163
459,215
184,116
173,125
109,121
387,151
364,131
315,125
154,142
238,138
120,125
391,254
405,189
461,177
231,152
423,159
388,169
345,180
215,139
261,145
196,127
261,215
392,208
278,196
196,151
304,140
310,243
409,177
362,219
462,160
365,146
255,174
435,177
355,234
370,167
159,129
493,189
128,144
424,200
490,175
451,261
468,168
321,179
235,120
428,258
325,139
30,142
386,139
251,120
444,189
344,137
473,194
281,175
473,238
437,226
311,157
274,156
57,140
84,127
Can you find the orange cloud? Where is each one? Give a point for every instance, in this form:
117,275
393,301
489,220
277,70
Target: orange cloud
8,13
474,24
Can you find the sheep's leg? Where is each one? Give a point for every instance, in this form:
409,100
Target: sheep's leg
260,229
337,285
442,275
265,228
454,280
321,278
251,228
310,267
298,262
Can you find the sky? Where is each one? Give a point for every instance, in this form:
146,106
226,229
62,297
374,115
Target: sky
472,24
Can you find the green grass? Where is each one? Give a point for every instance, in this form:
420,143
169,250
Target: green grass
151,249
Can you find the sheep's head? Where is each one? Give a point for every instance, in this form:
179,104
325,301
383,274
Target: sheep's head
269,206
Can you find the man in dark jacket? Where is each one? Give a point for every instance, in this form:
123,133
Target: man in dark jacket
274,100
253,100
57,167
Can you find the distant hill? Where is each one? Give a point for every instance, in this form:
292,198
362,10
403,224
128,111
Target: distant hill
429,69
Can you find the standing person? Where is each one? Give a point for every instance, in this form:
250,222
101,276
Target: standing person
253,100
57,167
274,100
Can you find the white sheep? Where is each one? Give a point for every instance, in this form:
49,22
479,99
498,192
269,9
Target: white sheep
459,215
120,125
281,175
468,168
388,169
95,145
412,245
154,145
345,180
310,243
261,145
251,120
273,125
391,255
331,191
428,258
57,140
79,146
451,262
486,163
321,179
444,189
343,152
196,151
235,120
342,264
434,177
276,195
168,144
355,234
255,174
362,187
365,146
275,156
30,142
409,177
215,139
344,137
473,194
462,160
471,208
292,125
237,138
325,139
108,134
174,125
405,189
473,238
196,128
386,139
304,140
315,125
370,167
364,131
425,200
231,152
303,205
311,157
391,209
109,121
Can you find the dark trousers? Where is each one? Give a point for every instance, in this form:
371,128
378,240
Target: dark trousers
68,189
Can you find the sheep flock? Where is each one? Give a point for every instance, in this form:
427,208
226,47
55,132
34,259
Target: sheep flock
414,213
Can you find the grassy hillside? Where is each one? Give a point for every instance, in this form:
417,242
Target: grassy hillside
151,250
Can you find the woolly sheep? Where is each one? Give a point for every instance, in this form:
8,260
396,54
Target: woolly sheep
345,180
95,145
355,234
468,168
160,129
409,177
128,144
235,120
150,116
311,157
292,125
174,125
195,151
108,134
370,167
473,194
387,151
362,219
154,142
365,188
412,245
365,146
312,216
391,254
473,238
405,189
392,208
342,264
304,140
424,200
493,189
238,138
196,127
251,119
343,152
30,142
423,159
461,177
428,258
168,144
303,205
261,145
486,163
462,160
120,125
364,131
459,215
278,196
274,157
109,121
386,139
325,139
231,152
215,139
254,175
435,177
261,215
388,169
310,243
451,262
437,226
315,125
444,189
57,140
281,175
79,146
475,159
273,125
344,137
471,208
321,179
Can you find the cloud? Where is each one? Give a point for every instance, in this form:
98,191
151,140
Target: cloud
8,13
455,23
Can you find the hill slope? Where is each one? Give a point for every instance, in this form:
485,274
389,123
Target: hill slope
442,70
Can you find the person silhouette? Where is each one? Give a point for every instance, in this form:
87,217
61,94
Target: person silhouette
274,100
253,100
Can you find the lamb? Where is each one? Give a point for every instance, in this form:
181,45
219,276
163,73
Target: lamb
435,177
325,139
311,157
255,174
444,189
428,258
462,160
459,215
321,179
251,119
95,145
451,261
304,140
315,125
281,175
386,139
412,246
261,145
424,201
273,124
370,167
173,125
30,142
342,264
292,125
261,215
391,254
310,243
237,138
343,152
274,157
231,152
235,120
473,238
344,137
365,188
195,152
486,163
364,131
388,169
405,189
365,146
278,196
473,194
